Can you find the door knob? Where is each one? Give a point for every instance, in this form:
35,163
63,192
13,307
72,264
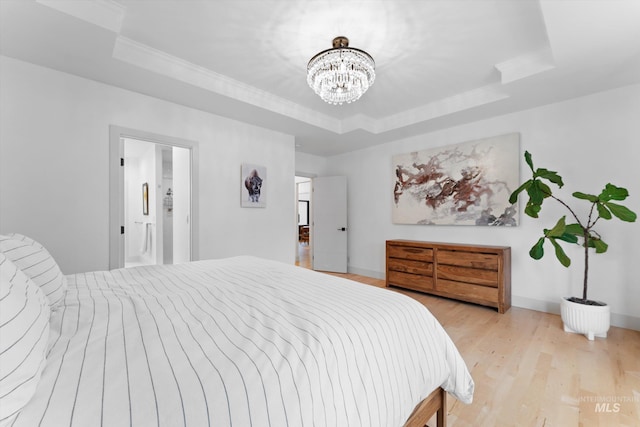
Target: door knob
342,229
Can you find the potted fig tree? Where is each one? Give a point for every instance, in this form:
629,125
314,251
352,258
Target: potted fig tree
579,314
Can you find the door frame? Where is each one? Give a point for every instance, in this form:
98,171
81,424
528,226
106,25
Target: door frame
116,187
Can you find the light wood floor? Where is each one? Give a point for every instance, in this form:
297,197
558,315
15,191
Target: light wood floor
529,372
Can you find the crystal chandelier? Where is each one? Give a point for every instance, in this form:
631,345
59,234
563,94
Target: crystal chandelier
341,74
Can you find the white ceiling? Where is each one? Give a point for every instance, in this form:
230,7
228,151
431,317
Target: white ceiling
439,63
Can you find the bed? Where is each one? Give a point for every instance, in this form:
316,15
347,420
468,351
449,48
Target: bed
241,341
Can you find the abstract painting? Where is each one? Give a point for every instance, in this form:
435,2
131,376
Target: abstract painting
463,184
253,186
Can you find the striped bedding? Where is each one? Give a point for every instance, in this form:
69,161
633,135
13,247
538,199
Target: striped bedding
238,342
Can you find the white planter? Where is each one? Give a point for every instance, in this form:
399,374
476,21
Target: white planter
590,320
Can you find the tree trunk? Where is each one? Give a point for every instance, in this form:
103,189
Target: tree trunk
586,264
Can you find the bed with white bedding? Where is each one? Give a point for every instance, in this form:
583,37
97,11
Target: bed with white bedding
238,342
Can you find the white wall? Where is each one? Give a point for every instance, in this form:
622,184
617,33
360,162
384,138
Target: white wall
590,141
309,165
54,174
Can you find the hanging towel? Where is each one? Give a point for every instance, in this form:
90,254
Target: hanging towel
146,238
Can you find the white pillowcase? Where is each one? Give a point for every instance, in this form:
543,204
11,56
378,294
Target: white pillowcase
37,263
24,328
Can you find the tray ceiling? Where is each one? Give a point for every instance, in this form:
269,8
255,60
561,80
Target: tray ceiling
438,63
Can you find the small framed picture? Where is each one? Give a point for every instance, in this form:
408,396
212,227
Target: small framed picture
145,198
253,186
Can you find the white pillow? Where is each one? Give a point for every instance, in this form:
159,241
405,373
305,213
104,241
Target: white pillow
24,328
37,263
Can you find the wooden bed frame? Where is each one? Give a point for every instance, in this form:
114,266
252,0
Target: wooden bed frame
436,402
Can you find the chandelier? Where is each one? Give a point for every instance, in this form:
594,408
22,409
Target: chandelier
341,74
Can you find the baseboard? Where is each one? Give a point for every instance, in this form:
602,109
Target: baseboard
619,320
625,321
535,304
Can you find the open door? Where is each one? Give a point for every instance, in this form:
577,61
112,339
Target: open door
329,229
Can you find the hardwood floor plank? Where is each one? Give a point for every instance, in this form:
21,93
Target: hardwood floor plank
529,372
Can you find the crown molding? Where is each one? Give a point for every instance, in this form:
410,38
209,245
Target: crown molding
157,61
443,107
525,65
107,14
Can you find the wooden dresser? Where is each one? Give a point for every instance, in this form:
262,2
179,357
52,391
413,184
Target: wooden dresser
477,274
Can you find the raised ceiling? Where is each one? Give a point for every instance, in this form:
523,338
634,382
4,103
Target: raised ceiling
439,63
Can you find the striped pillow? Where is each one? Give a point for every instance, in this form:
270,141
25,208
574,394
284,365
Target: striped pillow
24,328
37,263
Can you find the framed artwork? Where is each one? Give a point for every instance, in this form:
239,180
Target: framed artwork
463,184
145,198
253,186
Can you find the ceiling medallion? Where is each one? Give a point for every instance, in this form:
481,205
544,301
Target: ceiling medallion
341,74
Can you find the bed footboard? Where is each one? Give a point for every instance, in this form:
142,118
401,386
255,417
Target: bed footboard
436,402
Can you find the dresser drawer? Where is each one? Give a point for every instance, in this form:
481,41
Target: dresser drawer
468,275
411,281
410,266
468,292
410,252
468,259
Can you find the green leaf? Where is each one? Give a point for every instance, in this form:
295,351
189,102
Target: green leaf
601,246
558,229
527,158
583,196
536,194
611,192
532,210
574,229
536,197
514,196
603,211
544,189
569,238
621,212
560,254
537,251
550,175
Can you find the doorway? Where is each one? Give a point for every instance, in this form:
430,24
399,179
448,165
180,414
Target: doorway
156,203
303,215
322,229
153,216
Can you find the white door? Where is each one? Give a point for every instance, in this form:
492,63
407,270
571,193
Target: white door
329,229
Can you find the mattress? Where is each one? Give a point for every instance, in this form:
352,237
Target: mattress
241,341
